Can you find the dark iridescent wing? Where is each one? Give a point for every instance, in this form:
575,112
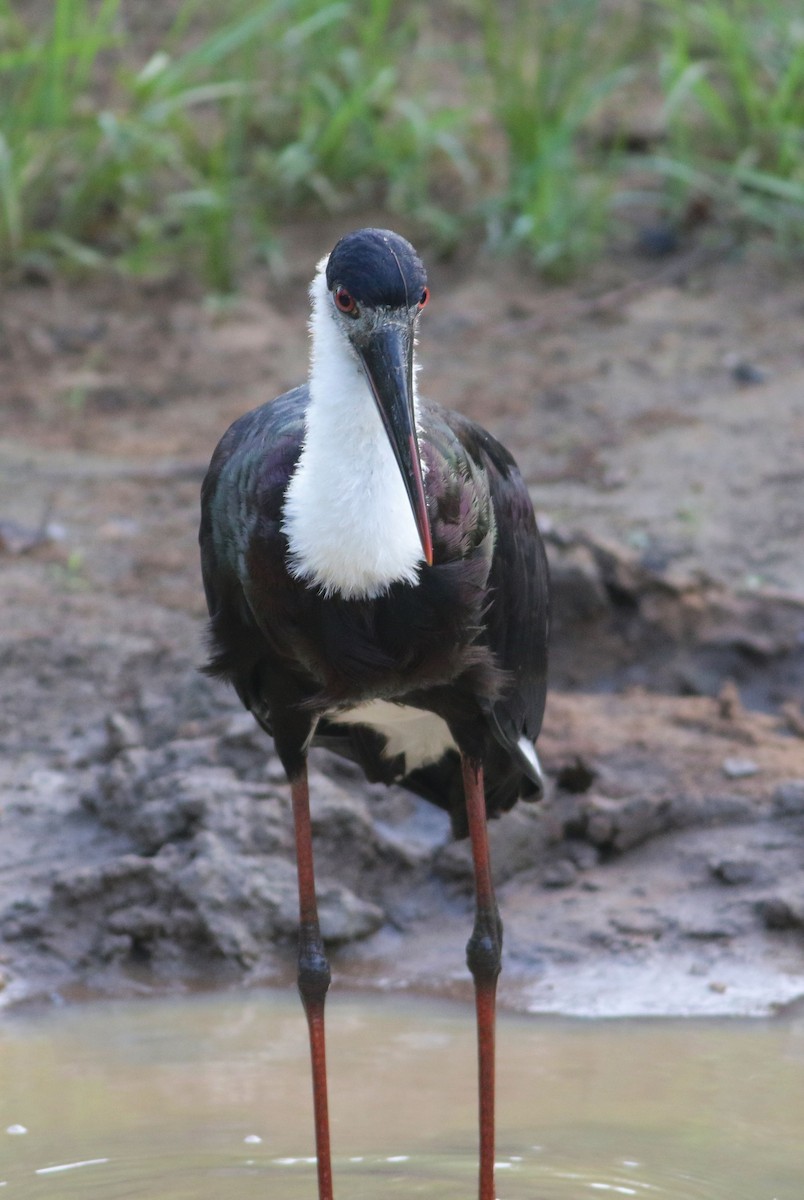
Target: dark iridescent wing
241,508
518,614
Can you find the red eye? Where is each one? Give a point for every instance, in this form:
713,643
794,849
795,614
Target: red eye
425,296
346,302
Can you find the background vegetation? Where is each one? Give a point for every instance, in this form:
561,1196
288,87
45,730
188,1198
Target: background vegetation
557,127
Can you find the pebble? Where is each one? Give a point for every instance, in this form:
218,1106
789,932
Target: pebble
584,856
561,874
747,373
121,733
788,798
739,768
734,871
658,241
778,913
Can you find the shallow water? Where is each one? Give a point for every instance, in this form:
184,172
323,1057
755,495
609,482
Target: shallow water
210,1096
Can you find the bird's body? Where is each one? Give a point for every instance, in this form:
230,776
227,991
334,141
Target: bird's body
456,643
374,575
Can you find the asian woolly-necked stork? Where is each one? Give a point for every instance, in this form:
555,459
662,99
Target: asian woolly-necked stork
377,585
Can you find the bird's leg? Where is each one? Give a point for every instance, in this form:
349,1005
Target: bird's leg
314,976
483,955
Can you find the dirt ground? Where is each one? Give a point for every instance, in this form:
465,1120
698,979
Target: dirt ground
657,412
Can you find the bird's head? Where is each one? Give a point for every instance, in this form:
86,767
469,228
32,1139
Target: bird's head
376,286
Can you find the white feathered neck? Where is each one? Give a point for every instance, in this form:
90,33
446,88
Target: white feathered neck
347,516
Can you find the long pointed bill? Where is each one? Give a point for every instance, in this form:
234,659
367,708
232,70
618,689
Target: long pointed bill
388,362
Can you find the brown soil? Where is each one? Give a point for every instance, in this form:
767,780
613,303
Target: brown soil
657,414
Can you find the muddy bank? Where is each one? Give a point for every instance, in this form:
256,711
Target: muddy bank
145,837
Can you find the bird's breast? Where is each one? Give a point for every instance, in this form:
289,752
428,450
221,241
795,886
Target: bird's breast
413,637
346,515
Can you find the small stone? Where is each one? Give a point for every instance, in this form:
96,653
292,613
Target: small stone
735,871
576,777
345,917
658,241
739,768
747,373
779,913
788,798
561,874
581,854
718,987
16,1130
121,733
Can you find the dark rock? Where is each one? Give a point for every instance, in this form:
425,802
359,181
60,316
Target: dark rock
658,241
781,912
576,777
788,798
736,871
748,374
560,874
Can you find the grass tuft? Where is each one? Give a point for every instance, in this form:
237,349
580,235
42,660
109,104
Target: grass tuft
551,68
733,80
189,157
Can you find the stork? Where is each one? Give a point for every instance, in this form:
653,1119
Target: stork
377,585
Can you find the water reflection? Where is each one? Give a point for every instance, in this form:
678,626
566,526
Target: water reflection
210,1096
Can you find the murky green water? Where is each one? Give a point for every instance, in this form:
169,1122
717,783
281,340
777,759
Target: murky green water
210,1097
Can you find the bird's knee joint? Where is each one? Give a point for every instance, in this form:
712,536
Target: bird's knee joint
314,973
484,952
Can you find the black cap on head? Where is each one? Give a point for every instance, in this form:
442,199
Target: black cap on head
377,267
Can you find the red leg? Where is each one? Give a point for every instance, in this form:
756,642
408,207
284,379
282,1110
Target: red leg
483,954
314,977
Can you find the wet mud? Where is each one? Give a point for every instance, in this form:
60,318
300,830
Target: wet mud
145,834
